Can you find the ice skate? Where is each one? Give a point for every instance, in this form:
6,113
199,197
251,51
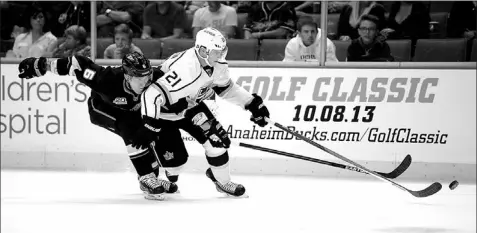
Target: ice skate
169,187
172,178
230,188
151,187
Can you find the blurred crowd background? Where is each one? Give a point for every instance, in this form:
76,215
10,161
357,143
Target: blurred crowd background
418,31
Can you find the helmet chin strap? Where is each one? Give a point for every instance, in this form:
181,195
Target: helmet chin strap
206,59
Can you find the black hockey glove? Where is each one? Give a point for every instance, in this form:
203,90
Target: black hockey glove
143,138
145,135
32,67
259,111
201,116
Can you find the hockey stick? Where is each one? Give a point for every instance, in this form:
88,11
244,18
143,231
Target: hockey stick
403,166
431,190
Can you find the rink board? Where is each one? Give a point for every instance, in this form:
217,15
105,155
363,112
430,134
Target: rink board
372,116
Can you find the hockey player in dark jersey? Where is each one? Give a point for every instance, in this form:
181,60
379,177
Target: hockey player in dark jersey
114,104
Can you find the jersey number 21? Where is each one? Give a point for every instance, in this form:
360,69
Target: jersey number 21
172,78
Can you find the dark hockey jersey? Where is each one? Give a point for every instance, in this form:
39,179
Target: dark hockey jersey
105,82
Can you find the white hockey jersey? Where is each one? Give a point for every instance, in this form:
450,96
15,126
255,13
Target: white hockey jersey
185,78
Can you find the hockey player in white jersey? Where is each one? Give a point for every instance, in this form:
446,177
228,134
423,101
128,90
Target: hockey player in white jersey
176,100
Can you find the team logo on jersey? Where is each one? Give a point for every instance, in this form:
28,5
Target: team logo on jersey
204,93
169,155
120,101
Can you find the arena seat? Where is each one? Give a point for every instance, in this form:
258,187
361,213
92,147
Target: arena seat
6,45
272,49
438,25
241,49
440,50
150,48
170,47
241,20
341,49
473,56
400,49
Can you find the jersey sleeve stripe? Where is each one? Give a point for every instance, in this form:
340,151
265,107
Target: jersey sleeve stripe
222,90
161,89
144,103
198,76
157,107
101,112
172,63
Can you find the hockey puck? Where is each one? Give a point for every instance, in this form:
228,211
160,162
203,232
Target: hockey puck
453,184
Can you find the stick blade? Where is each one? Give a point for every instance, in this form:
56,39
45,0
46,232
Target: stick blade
401,168
431,190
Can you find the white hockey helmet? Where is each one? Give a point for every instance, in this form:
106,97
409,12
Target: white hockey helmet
211,39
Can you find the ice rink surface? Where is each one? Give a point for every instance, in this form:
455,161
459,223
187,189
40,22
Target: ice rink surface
69,202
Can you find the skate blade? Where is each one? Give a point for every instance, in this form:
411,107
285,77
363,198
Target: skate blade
245,195
154,197
177,192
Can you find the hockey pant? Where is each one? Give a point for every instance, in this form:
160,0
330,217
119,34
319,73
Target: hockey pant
171,150
218,158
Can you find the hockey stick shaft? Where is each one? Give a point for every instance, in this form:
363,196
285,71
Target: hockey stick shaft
432,189
332,164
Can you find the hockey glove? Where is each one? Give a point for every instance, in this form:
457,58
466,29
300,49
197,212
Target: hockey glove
32,67
259,111
201,116
145,135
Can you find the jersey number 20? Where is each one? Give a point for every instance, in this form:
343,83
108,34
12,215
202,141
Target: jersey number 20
171,78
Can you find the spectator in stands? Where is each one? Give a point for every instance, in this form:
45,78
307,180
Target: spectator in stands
164,20
38,40
462,20
218,16
270,20
351,16
314,7
192,6
408,20
306,45
69,14
368,47
113,13
74,44
123,45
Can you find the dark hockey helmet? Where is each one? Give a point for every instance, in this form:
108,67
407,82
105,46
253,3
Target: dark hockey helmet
136,65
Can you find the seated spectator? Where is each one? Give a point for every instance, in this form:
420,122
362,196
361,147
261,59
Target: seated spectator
351,16
164,20
113,13
369,47
74,44
306,46
38,40
72,13
462,20
408,20
262,24
123,45
218,16
192,6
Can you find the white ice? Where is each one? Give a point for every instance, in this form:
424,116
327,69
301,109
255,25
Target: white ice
70,202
